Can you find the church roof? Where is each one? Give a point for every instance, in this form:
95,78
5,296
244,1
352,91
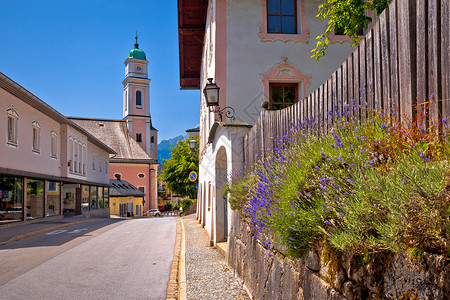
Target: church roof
114,133
137,53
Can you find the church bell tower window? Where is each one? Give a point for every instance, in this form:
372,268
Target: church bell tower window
138,99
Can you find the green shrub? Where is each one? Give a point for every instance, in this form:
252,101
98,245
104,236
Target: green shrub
186,204
370,187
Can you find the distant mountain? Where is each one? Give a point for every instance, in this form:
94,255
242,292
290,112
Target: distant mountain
163,148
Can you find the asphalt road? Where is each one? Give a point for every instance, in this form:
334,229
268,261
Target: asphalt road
102,260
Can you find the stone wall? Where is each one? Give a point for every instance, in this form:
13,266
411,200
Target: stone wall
328,274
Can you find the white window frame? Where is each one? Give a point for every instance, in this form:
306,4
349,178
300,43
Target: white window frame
53,144
36,143
80,158
12,127
84,159
71,162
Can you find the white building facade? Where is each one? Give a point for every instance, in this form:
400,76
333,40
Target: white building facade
47,163
257,52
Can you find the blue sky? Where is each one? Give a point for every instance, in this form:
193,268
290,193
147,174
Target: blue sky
70,54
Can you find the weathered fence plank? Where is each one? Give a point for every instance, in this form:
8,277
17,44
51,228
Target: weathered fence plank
422,62
334,96
339,92
434,92
325,106
378,81
345,98
393,54
369,73
362,79
385,60
350,94
356,93
445,54
330,103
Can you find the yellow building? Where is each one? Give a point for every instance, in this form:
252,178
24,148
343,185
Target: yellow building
125,199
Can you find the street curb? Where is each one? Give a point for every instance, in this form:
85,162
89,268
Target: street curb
173,286
33,233
182,266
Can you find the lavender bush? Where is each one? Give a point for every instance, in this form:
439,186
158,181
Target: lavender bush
370,187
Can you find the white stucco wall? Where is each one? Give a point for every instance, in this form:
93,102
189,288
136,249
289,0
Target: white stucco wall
101,172
22,157
248,56
231,140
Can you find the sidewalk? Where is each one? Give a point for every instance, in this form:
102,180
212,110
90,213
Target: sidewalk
207,274
15,233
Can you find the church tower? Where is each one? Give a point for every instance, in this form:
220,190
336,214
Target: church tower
136,101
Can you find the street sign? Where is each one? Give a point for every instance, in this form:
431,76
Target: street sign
193,176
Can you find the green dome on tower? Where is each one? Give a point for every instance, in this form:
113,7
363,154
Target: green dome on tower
137,53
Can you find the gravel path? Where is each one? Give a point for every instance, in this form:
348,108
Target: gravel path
207,274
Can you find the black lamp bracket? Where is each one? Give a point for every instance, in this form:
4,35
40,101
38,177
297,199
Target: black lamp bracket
228,110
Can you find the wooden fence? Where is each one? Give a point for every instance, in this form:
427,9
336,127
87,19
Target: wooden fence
402,62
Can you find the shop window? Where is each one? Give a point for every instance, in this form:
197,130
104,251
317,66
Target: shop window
11,199
106,196
138,99
282,95
54,144
35,199
281,16
85,197
100,197
13,119
94,198
53,198
69,192
36,136
138,137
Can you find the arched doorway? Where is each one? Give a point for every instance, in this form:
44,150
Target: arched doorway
221,208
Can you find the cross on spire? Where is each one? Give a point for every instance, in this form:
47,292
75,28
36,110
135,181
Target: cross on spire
136,45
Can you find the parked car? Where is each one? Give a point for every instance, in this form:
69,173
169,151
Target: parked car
153,212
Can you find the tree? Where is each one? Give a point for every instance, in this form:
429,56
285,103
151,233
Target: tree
346,16
177,168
